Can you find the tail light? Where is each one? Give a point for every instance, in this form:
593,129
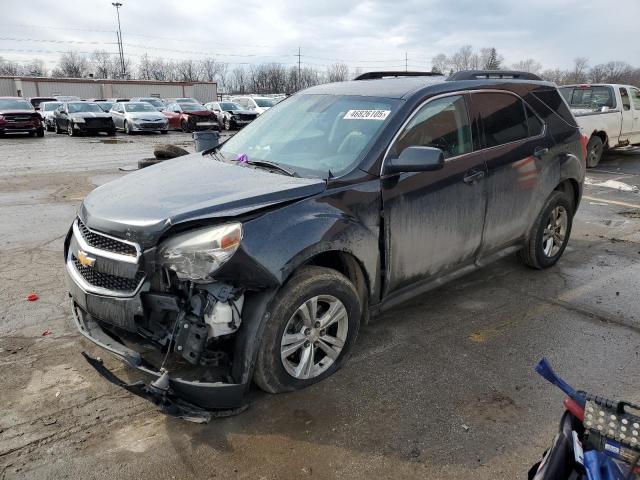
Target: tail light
584,141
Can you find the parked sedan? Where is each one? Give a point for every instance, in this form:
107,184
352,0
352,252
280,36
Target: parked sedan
156,102
36,101
82,117
47,110
231,115
18,115
189,117
138,117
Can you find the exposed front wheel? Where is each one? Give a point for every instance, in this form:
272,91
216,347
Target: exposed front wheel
595,148
550,232
185,126
70,129
313,323
226,123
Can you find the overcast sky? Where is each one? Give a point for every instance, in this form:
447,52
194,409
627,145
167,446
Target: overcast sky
367,34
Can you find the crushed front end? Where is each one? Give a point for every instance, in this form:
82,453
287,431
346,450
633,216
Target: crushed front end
159,311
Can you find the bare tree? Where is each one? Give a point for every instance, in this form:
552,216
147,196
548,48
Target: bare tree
357,72
188,71
579,72
529,65
337,72
557,76
72,65
463,59
9,68
104,65
35,68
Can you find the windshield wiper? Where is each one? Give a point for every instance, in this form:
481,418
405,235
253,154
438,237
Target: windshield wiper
267,164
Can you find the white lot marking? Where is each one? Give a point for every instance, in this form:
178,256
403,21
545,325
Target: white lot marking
612,202
615,184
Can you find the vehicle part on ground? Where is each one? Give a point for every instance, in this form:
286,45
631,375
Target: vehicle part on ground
550,233
166,151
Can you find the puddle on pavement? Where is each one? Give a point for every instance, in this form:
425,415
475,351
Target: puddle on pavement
630,213
111,141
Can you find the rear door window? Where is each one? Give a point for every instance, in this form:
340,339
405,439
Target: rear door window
503,118
635,97
626,102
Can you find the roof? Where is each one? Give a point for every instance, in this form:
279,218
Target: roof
386,87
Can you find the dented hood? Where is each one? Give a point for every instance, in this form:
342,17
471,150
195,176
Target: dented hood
143,205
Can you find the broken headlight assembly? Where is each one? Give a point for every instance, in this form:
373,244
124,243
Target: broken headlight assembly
197,254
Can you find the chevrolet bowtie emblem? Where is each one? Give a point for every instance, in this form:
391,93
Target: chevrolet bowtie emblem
84,259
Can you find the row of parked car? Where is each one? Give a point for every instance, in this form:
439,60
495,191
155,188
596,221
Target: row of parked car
76,116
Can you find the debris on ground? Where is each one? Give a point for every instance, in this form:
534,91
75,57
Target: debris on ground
46,333
465,427
166,151
32,297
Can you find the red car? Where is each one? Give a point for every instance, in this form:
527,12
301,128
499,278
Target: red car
190,117
18,115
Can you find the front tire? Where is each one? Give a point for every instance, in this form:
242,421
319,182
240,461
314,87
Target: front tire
40,132
70,130
312,324
595,148
185,126
127,128
550,233
226,124
56,128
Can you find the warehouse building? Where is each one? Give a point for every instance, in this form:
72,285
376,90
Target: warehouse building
98,88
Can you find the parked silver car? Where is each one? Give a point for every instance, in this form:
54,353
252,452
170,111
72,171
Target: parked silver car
156,102
138,117
47,110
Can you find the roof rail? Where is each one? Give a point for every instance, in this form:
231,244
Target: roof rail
377,75
484,74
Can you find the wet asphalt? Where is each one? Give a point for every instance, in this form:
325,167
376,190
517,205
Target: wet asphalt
441,387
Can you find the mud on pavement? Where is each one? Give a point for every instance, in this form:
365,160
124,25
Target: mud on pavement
441,387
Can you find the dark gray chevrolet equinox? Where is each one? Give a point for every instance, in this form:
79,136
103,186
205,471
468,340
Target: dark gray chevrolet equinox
258,260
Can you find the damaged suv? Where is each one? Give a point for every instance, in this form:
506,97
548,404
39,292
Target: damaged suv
258,260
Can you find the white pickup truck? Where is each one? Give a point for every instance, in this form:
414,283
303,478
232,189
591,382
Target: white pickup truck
608,114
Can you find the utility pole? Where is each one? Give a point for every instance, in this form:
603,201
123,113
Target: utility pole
299,69
406,60
120,48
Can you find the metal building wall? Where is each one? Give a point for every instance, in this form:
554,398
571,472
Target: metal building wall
7,87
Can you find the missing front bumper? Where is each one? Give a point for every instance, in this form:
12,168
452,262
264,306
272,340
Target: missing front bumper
191,400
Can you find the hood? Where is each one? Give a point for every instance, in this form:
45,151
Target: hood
242,112
143,205
146,115
17,111
90,115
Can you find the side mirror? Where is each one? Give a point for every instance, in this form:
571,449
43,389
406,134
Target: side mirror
416,159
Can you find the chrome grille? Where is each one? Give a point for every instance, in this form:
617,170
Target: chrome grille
106,243
107,281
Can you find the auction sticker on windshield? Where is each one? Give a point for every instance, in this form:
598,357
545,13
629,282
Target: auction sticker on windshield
366,114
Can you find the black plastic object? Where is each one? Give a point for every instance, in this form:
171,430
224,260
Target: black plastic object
206,140
378,75
491,74
161,394
558,462
191,337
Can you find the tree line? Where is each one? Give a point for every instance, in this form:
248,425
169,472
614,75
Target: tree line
279,78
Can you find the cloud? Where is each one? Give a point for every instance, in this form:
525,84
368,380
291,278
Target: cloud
364,33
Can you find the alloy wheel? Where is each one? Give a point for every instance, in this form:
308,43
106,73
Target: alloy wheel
555,232
314,337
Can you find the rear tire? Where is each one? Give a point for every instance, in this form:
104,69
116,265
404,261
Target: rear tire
550,232
334,327
595,148
185,126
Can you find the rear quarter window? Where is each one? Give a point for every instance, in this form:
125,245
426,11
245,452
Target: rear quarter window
551,99
503,118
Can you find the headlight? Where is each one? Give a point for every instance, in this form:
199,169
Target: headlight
78,120
196,255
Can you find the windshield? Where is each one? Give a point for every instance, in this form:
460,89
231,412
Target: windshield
321,133
264,102
11,104
139,107
106,106
153,101
589,97
50,106
230,106
192,107
83,107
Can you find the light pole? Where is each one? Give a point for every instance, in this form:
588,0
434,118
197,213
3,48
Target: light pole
120,48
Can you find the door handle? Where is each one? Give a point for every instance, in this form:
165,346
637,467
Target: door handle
540,152
472,177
